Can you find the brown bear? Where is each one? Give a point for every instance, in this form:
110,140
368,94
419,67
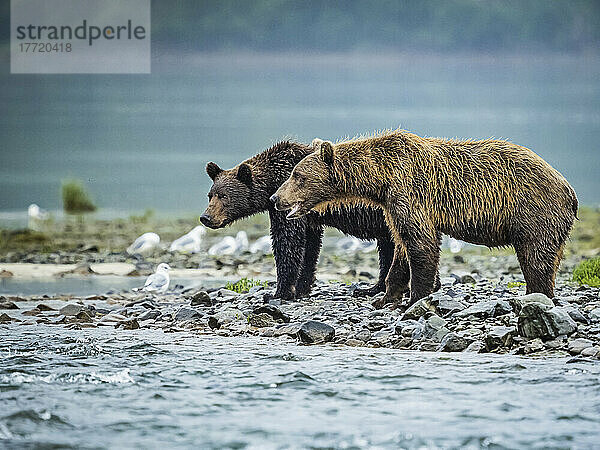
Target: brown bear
245,190
488,192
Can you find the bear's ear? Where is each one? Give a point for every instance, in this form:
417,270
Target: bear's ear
213,170
244,173
327,152
316,144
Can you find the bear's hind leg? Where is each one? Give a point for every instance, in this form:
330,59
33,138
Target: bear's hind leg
539,264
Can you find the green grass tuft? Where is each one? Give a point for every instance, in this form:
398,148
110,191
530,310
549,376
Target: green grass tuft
245,284
76,199
588,272
515,284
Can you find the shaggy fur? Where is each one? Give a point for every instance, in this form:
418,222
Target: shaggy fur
488,192
245,190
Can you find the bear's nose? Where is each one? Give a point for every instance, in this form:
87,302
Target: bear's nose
274,198
206,220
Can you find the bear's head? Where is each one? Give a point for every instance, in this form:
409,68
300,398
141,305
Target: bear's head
231,196
310,183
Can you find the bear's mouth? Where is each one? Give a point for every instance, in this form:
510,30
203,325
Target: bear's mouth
297,210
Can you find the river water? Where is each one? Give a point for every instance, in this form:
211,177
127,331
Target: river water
97,388
142,141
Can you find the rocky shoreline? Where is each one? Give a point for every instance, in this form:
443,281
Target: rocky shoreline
470,313
481,306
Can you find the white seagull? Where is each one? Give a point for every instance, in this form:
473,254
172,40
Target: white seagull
262,245
230,245
145,244
190,242
159,280
35,216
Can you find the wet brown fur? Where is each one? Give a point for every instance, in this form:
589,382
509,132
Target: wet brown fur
488,192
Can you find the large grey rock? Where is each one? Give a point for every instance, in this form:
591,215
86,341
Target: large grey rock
576,346
289,329
488,308
201,298
418,309
8,305
452,342
435,328
595,315
448,306
225,316
499,337
475,347
537,320
261,320
187,314
274,312
71,309
313,332
518,302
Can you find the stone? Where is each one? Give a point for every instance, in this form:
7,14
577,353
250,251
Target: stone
448,306
591,351
289,329
535,345
499,336
8,305
467,279
418,309
128,324
452,342
576,346
201,298
595,315
488,308
518,302
575,314
363,335
149,315
313,332
43,307
435,328
71,309
274,312
537,320
225,316
475,347
354,342
187,314
5,318
262,320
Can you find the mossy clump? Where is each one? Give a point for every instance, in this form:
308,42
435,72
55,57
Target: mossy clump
515,284
76,199
588,272
245,284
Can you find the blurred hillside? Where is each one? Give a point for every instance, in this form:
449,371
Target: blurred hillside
355,25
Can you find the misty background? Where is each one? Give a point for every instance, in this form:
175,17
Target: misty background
231,78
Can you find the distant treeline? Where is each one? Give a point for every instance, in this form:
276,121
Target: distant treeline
342,25
355,25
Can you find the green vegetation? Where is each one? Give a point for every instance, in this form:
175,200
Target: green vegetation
245,284
144,218
588,272
76,199
515,284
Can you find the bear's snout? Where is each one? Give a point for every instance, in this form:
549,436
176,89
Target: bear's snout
206,220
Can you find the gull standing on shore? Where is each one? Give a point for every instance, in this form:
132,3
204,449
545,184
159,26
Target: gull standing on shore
190,242
35,216
159,281
145,244
230,245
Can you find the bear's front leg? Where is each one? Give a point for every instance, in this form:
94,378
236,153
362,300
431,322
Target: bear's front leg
312,248
396,282
288,238
385,246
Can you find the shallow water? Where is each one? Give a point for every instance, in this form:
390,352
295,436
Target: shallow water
144,388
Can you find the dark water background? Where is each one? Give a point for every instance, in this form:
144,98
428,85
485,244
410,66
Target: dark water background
142,141
109,388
